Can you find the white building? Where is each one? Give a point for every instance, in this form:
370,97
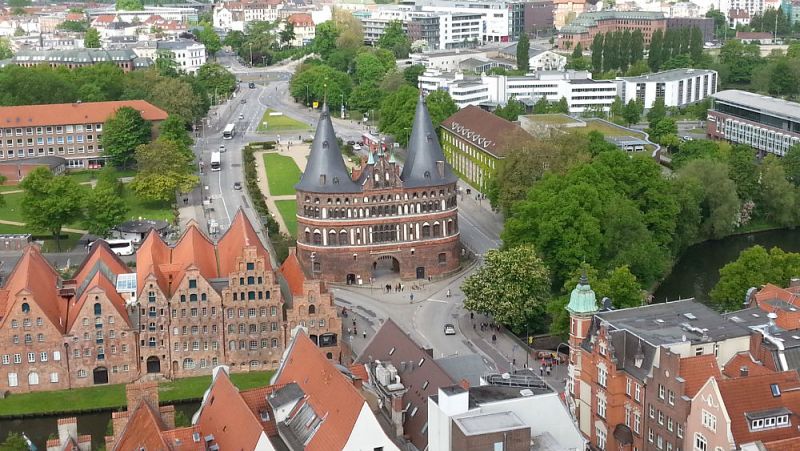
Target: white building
446,60
188,55
304,29
186,15
236,15
538,59
442,30
678,87
494,414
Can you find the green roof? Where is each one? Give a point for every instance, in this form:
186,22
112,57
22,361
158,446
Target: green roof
582,299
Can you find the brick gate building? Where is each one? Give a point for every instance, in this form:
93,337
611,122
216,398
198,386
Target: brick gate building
383,217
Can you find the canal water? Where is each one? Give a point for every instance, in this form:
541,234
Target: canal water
39,429
697,271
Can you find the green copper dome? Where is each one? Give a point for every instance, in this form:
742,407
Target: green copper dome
582,298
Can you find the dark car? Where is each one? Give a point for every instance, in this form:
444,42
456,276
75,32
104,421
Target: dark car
243,101
352,143
251,85
237,186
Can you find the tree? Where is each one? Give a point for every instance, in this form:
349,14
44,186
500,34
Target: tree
561,106
174,129
397,113
351,36
637,46
50,202
663,127
778,196
625,51
287,35
75,26
5,49
753,268
744,172
14,442
542,106
19,3
654,53
633,112
783,80
91,40
130,5
365,97
122,133
523,53
325,38
511,110
720,23
104,209
791,164
696,45
391,82
513,286
368,68
617,284
617,107
657,112
578,51
695,150
412,73
209,38
235,39
164,170
740,59
395,39
440,106
318,80
597,52
216,80
719,203
611,51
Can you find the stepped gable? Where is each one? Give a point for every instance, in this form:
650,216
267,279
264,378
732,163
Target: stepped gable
194,249
150,259
293,272
240,235
325,170
328,392
98,280
143,431
426,164
33,274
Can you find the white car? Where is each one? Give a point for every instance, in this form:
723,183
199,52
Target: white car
449,329
356,146
222,148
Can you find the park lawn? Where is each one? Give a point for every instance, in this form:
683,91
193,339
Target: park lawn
138,208
12,209
288,211
554,119
108,397
4,188
608,129
280,123
68,240
282,174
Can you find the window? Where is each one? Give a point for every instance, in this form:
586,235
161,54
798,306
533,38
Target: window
81,373
33,378
6,359
669,424
628,386
53,378
43,357
700,442
652,411
650,435
637,392
601,406
56,356
602,376
628,417
17,358
680,430
661,391
671,397
709,421
660,417
12,380
637,422
192,283
31,357
601,438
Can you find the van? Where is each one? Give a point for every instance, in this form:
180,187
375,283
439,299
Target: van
118,246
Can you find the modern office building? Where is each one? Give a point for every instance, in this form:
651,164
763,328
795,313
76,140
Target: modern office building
583,29
678,87
768,124
69,130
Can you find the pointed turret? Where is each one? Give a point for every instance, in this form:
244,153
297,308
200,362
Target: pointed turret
325,171
426,165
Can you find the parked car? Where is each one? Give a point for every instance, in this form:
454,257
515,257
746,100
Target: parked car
449,329
222,148
356,146
241,117
351,142
237,186
687,138
251,85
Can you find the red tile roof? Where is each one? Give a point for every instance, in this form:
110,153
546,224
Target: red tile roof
195,249
485,130
182,439
73,113
241,234
301,20
256,400
143,431
104,19
100,254
223,405
359,371
329,393
293,273
98,281
696,370
151,254
753,394
744,360
33,274
789,444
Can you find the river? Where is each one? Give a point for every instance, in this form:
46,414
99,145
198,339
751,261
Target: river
39,429
697,271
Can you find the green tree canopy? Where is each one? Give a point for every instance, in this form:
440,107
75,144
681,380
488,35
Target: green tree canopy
791,164
320,80
14,442
287,35
632,112
216,79
523,53
104,209
412,73
209,38
754,267
654,57
130,5
122,133
174,129
512,285
395,39
91,40
511,110
719,203
164,170
50,202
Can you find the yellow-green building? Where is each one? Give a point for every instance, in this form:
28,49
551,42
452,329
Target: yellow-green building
475,140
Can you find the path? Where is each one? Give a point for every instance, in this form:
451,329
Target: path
22,224
298,153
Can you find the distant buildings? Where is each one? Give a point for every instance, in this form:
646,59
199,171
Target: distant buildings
69,130
235,15
127,60
304,29
768,124
187,55
583,29
678,87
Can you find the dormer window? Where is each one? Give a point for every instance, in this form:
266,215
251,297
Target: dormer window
427,174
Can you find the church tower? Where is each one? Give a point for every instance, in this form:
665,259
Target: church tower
582,305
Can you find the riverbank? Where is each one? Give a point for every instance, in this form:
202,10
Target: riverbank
112,397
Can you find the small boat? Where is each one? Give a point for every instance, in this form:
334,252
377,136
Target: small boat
31,446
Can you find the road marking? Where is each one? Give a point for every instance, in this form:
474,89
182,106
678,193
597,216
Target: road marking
224,205
437,300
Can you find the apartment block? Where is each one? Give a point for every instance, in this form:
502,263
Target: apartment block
768,124
678,87
70,130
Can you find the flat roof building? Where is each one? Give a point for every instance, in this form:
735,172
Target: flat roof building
678,87
768,124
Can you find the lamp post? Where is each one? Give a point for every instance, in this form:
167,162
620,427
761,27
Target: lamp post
307,104
251,53
342,113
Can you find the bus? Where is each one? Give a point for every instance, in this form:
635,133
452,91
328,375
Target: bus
229,131
216,163
119,247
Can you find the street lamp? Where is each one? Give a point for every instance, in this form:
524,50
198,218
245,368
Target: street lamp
307,104
251,53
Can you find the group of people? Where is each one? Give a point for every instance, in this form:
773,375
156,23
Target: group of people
397,288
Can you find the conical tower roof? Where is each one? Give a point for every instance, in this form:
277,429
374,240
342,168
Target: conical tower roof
325,171
424,153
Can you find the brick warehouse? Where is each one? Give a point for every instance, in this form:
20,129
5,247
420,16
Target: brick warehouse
383,217
186,309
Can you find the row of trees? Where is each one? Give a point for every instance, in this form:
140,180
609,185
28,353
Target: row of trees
678,47
262,43
616,51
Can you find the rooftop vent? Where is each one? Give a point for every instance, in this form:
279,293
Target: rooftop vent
526,392
690,315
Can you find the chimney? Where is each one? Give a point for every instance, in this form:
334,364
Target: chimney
67,429
794,282
142,391
744,371
440,168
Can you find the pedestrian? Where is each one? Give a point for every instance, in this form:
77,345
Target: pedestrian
471,315
365,335
549,368
494,338
348,331
411,296
541,370
354,322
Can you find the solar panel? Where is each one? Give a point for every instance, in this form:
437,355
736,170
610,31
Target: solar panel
126,283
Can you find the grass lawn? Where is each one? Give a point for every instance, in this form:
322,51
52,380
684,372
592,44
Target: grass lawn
12,210
607,129
9,188
68,240
555,119
150,210
282,174
113,396
280,123
288,211
699,131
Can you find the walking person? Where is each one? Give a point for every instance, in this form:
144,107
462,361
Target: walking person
448,292
365,335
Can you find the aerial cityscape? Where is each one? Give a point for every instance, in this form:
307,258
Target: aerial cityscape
410,225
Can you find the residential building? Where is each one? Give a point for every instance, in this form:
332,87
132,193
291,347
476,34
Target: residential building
475,140
403,376
678,87
236,15
186,54
186,309
768,124
69,130
732,413
463,89
750,7
374,27
583,29
441,29
304,29
511,415
539,59
448,60
127,60
755,37
383,217
504,19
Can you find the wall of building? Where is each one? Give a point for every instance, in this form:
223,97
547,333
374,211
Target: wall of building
708,399
514,440
474,165
539,16
671,409
368,434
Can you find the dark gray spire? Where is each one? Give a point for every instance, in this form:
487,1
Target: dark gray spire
425,165
325,171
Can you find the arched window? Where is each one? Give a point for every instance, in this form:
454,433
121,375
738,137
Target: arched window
312,309
308,236
232,345
343,238
98,309
331,238
26,308
426,231
317,238
33,378
192,297
188,364
437,229
274,343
